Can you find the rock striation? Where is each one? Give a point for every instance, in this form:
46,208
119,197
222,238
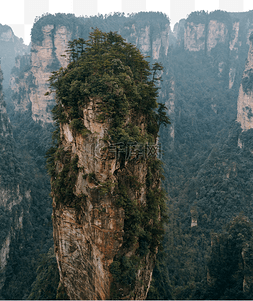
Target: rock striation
87,240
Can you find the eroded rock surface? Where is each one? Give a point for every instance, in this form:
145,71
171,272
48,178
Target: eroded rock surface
87,238
245,98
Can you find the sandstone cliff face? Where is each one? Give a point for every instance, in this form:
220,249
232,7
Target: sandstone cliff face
234,46
197,36
28,81
194,37
19,83
212,34
146,42
245,98
170,104
217,33
87,239
206,37
45,59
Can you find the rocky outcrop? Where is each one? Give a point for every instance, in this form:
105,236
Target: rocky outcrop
86,243
245,98
105,176
88,238
29,78
194,36
217,33
150,37
161,41
44,59
20,83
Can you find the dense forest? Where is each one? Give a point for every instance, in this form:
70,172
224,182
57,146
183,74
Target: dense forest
207,174
207,248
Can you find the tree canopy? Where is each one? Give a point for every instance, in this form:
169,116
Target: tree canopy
107,67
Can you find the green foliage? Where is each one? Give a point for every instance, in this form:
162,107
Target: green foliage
27,166
77,125
106,66
47,279
160,288
221,16
106,188
198,161
123,270
64,182
226,264
197,17
143,224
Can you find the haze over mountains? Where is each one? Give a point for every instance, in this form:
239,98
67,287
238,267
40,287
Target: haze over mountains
207,149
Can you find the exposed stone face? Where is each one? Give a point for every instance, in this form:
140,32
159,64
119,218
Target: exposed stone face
61,38
11,46
170,105
20,84
233,44
178,33
217,33
245,98
163,40
194,37
86,240
29,90
141,38
4,255
42,59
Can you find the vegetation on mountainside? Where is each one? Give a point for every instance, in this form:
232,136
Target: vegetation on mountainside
230,265
114,72
47,279
205,168
25,220
29,161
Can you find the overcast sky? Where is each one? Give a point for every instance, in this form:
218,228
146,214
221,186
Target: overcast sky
20,14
